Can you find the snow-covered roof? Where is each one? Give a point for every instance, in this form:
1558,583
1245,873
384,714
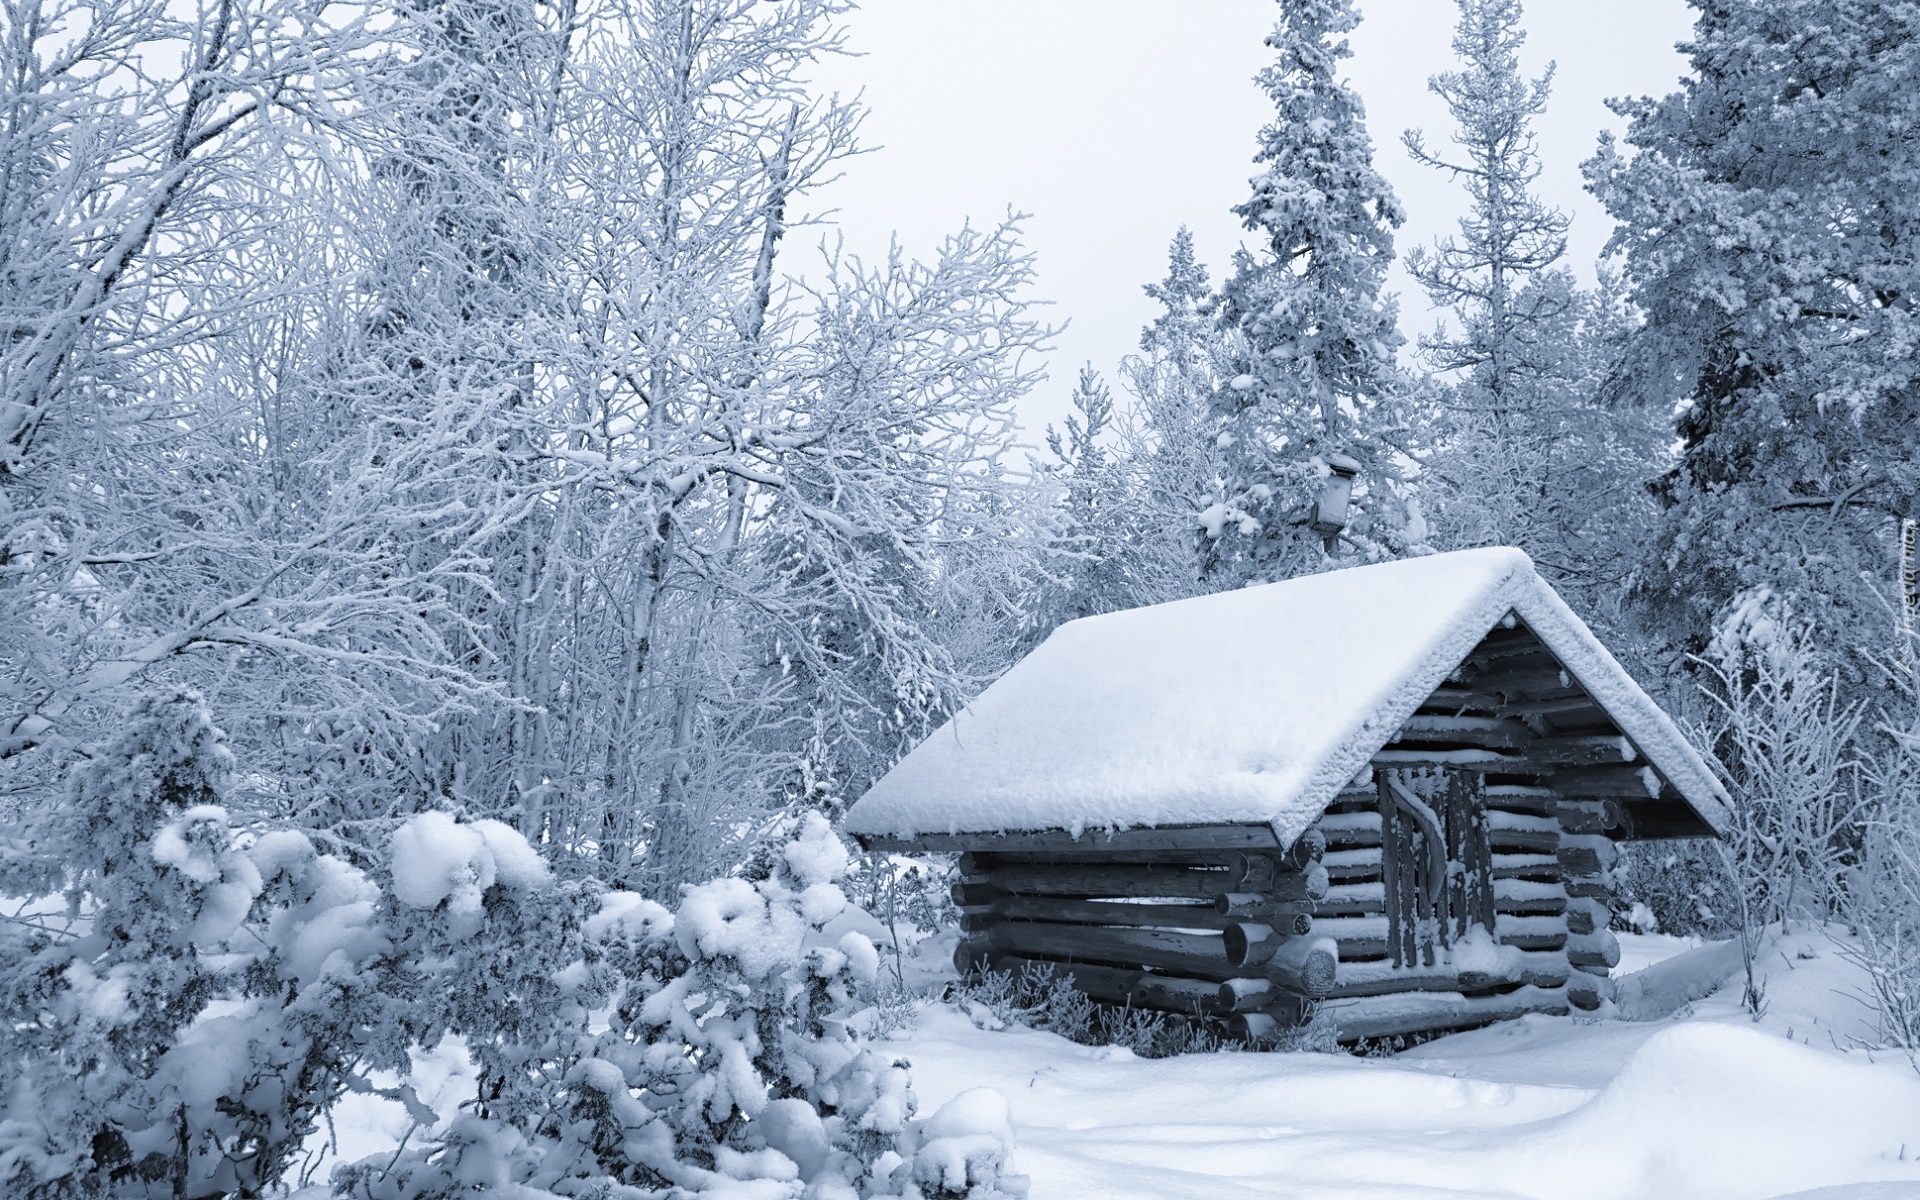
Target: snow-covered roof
1247,707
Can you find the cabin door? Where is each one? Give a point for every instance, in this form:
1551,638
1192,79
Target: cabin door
1436,865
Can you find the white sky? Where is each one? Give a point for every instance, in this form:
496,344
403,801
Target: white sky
1115,121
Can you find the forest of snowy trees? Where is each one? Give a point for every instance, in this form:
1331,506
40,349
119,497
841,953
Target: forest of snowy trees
464,533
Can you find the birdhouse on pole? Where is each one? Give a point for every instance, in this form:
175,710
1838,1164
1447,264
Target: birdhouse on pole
1336,497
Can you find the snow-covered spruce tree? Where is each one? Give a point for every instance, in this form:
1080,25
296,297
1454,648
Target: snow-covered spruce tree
1530,450
1098,552
185,1004
1312,356
724,1059
1765,214
1170,433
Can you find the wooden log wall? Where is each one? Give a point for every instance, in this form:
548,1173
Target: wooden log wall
1222,933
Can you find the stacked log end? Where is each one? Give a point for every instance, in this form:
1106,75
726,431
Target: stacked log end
1206,933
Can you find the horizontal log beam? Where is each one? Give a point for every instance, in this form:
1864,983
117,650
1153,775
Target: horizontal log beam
1070,911
1492,733
1492,762
1586,991
978,862
1507,637
1447,699
1130,986
1587,915
1346,865
1132,882
1591,816
1532,841
1542,867
1282,1012
1287,916
1545,969
1193,955
1092,842
1588,751
1514,683
1639,783
1391,1016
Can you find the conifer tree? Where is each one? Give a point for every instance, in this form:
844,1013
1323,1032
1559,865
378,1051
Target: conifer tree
1767,216
1529,452
1312,338
1170,432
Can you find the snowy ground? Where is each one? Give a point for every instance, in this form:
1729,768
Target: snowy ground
1702,1106
1707,1105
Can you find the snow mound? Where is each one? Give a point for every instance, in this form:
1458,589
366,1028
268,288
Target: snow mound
1246,707
1716,1110
1659,990
437,858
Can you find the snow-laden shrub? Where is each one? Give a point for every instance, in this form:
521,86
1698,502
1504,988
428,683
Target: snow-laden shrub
187,1000
1786,746
181,1020
721,1064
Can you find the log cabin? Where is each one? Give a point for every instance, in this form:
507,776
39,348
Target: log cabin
1391,795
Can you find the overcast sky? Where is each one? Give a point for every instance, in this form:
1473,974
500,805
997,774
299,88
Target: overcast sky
1113,122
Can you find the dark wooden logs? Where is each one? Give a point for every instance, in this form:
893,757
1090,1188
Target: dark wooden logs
1586,915
1102,912
1090,842
1455,700
1284,1011
1350,830
1493,733
1532,841
1198,955
1624,781
1579,707
1370,979
1592,816
1531,932
970,954
1393,1015
1128,985
1131,882
1526,866
1522,797
1256,906
1514,683
1589,751
1346,865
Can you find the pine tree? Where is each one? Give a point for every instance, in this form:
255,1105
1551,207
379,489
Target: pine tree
1767,215
1312,337
1095,560
1530,452
1170,432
